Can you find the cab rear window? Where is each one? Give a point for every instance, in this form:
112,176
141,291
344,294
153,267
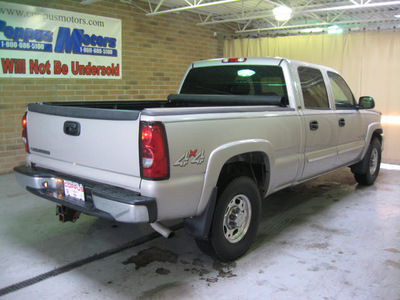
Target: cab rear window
236,80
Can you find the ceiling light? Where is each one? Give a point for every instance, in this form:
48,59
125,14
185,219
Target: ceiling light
282,13
334,29
397,16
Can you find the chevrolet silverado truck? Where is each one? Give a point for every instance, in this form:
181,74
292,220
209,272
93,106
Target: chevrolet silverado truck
238,130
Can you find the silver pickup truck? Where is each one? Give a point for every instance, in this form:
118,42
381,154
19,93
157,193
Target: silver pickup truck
238,130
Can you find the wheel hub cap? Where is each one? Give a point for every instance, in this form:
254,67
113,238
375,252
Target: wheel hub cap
237,218
373,163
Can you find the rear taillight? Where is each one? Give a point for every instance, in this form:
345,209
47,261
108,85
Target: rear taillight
153,151
24,132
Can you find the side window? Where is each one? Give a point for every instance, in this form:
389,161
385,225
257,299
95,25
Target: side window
313,88
341,92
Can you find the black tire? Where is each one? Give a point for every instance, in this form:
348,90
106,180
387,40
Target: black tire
370,164
235,221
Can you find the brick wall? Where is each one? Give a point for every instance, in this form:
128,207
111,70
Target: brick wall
155,54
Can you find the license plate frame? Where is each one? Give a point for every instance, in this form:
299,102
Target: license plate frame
74,190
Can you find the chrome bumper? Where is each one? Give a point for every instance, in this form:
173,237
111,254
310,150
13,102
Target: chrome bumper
101,200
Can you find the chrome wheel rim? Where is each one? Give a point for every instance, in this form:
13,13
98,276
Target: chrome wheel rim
373,162
237,218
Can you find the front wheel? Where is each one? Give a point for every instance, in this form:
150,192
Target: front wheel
371,164
235,222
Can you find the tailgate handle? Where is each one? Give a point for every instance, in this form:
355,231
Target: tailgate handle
72,128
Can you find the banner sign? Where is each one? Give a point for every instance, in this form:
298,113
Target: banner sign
38,42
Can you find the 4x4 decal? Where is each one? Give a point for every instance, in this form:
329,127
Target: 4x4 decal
192,157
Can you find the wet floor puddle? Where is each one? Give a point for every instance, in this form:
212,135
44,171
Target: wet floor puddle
197,267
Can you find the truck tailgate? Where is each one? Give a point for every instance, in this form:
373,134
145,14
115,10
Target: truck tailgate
102,139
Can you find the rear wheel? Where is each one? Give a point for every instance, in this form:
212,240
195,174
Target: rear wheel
371,164
235,222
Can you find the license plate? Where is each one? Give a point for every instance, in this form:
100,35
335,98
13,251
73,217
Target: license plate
74,190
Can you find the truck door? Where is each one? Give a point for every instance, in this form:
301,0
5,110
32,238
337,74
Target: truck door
351,139
320,124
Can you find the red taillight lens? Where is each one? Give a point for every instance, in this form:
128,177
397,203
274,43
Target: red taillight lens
234,60
153,151
24,132
146,134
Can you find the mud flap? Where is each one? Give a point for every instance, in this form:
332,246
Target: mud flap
199,227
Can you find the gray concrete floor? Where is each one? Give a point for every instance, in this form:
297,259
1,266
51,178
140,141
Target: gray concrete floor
325,239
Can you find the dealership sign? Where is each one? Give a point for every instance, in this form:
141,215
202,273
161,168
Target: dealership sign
40,42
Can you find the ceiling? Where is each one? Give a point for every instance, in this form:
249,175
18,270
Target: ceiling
255,17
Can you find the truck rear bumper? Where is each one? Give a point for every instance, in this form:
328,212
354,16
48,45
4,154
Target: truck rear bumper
101,200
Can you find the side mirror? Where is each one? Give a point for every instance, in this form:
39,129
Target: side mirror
366,102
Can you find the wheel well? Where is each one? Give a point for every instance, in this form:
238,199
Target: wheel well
378,134
252,164
361,166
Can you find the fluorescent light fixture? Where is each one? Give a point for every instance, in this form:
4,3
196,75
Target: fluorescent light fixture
334,29
282,13
397,16
246,73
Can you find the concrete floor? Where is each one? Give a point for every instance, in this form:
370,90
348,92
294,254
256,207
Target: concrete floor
325,239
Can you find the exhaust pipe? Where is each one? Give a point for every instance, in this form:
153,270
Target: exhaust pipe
163,230
66,214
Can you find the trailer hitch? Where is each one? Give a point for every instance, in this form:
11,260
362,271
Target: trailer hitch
66,214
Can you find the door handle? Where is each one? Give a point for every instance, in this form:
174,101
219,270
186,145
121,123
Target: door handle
313,125
342,123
